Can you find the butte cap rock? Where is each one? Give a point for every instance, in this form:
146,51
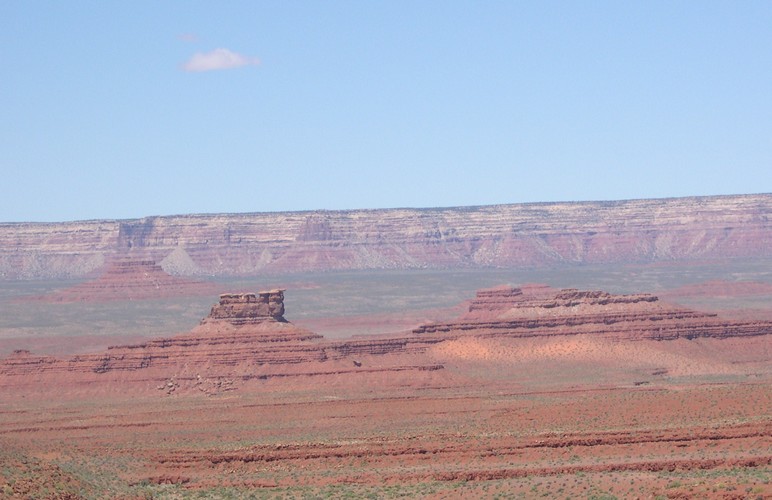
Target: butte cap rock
248,308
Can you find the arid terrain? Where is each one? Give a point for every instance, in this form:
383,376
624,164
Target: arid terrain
564,415
647,378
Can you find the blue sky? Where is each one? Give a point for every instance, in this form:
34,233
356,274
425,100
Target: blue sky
129,109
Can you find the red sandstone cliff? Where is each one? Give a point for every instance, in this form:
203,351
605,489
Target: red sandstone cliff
538,234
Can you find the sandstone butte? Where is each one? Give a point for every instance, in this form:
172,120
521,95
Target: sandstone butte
539,310
536,234
246,339
127,279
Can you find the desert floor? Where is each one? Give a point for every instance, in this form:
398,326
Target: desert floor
564,417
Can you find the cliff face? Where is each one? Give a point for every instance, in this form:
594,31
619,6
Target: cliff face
540,311
503,235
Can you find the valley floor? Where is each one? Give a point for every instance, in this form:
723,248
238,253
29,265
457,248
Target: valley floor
501,424
566,417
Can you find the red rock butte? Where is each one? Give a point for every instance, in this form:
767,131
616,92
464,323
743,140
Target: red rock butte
538,310
129,279
248,308
245,338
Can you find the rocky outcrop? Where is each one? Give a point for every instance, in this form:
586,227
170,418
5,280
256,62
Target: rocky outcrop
534,311
248,308
536,234
244,337
127,279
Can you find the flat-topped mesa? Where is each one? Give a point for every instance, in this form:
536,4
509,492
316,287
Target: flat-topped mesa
128,279
491,301
539,235
532,311
570,297
248,308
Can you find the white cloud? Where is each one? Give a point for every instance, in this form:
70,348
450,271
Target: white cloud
218,59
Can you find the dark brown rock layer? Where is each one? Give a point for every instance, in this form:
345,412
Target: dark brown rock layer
248,308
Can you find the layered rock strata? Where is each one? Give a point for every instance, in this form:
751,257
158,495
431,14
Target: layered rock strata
536,310
248,308
245,336
536,234
128,279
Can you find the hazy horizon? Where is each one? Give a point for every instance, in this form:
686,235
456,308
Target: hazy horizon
333,210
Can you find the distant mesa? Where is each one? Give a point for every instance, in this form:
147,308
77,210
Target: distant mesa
540,235
538,310
129,279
